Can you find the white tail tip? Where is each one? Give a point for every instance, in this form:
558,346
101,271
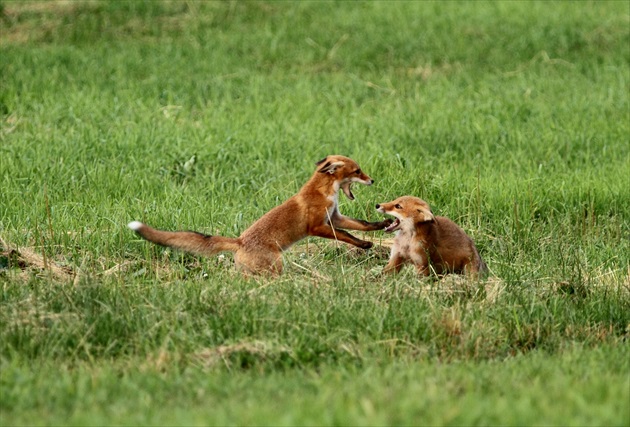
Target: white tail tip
135,225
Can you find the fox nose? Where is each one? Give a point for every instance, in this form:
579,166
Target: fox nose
378,206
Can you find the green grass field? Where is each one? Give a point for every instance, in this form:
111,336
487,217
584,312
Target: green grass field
511,118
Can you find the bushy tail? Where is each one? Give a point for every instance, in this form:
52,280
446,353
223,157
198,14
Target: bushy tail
189,241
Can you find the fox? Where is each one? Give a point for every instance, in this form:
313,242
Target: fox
428,241
313,211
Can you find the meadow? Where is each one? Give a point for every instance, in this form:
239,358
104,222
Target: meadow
511,118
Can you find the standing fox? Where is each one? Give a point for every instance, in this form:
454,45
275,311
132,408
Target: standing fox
427,240
313,211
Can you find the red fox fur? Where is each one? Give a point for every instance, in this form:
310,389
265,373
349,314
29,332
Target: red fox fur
428,241
313,211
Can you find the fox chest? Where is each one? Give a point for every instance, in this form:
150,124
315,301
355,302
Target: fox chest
407,245
331,208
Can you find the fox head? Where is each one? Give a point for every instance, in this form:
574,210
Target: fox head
408,212
345,171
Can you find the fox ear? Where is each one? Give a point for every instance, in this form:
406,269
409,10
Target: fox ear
321,161
330,167
426,215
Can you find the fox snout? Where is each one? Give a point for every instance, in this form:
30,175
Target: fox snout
362,178
382,208
393,225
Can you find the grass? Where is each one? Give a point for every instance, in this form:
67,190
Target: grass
512,118
395,393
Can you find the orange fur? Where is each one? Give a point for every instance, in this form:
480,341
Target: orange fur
428,241
313,211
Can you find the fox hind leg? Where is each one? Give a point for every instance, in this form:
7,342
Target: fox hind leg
258,261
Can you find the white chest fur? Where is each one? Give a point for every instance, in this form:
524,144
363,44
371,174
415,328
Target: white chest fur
333,206
408,246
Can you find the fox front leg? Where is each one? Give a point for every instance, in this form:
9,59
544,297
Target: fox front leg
341,221
421,260
394,265
329,232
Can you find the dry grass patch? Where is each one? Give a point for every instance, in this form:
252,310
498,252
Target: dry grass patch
32,263
241,354
30,21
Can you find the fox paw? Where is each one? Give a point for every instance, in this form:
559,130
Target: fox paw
366,245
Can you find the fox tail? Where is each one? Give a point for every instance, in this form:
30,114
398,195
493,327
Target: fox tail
188,241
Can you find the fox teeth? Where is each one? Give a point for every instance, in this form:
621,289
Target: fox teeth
393,226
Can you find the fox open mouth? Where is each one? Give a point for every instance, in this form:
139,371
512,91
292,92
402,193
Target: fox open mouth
347,189
393,226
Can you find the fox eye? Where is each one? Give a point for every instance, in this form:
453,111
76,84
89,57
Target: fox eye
397,206
358,171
